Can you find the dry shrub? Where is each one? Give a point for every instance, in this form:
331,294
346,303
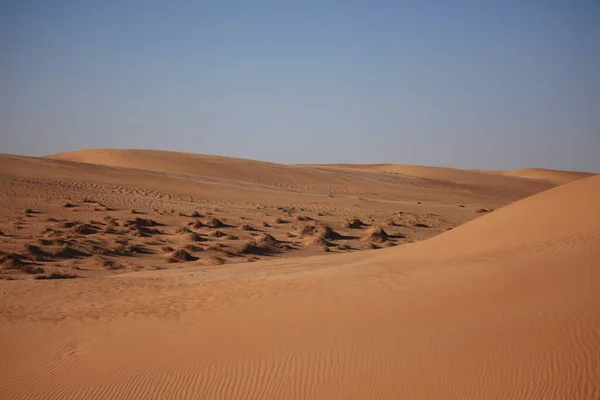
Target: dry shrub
194,237
377,235
35,253
196,224
111,230
85,229
354,223
180,256
57,275
264,245
143,231
18,262
141,222
217,234
110,264
322,231
214,223
66,251
67,224
192,248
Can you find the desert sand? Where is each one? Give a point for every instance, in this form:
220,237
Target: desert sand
208,277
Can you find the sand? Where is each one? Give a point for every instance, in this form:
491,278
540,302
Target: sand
551,175
501,306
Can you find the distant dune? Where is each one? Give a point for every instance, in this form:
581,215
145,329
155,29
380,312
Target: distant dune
501,307
337,178
552,175
456,175
174,162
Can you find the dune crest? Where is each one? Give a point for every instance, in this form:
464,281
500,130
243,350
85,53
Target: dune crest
551,175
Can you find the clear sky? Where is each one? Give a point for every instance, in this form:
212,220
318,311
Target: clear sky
470,84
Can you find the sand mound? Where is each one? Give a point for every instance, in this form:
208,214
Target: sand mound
180,256
376,235
217,234
317,241
262,245
68,252
318,231
317,235
268,240
196,224
35,253
86,229
194,237
19,263
214,223
141,222
142,231
354,223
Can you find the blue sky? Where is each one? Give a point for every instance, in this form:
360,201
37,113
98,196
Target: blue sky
469,84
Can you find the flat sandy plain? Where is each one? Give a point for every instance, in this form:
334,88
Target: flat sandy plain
205,277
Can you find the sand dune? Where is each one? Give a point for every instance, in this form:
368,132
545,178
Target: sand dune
417,182
551,175
229,168
472,176
500,307
124,210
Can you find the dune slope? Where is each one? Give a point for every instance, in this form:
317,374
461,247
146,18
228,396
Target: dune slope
422,182
501,307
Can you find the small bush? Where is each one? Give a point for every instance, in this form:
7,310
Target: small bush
57,275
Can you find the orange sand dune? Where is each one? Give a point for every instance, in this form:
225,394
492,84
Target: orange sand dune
422,183
439,173
230,168
552,175
472,176
502,307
